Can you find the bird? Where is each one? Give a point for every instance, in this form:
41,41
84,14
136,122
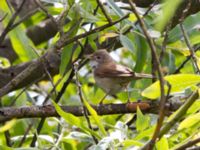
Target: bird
110,76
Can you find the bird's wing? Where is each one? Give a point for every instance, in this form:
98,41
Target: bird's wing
117,71
114,71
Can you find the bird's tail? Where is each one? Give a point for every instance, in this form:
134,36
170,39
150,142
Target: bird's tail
143,75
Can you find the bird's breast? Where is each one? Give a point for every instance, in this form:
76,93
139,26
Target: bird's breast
109,85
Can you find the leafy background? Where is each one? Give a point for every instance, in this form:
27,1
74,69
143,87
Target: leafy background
127,45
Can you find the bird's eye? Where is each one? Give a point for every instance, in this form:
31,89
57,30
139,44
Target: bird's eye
98,57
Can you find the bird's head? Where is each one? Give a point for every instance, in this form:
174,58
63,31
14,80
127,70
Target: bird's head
99,57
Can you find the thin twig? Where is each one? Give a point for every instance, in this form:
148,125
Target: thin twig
104,11
59,95
145,14
8,138
24,89
60,137
29,70
61,18
45,68
22,19
189,144
1,19
164,43
9,6
76,67
6,133
10,23
57,99
160,75
25,134
182,110
191,49
60,92
185,61
67,41
185,11
41,123
39,4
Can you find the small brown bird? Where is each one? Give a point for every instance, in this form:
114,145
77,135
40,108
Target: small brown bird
110,76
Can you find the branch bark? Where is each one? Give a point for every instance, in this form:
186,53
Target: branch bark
34,71
34,33
8,113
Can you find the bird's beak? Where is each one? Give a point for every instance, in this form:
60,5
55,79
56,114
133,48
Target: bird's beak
89,56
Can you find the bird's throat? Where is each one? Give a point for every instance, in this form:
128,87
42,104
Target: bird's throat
93,64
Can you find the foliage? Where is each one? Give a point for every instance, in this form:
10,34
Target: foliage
130,48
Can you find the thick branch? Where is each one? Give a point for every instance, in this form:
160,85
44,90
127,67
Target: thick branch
106,109
39,34
8,74
13,78
194,8
35,71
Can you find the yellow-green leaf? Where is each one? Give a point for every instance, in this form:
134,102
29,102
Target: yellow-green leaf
73,120
168,9
95,117
142,121
65,58
8,125
5,147
128,143
189,121
162,144
20,42
178,83
107,35
132,17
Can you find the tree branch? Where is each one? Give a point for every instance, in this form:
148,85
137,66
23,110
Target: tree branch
163,98
36,71
8,113
10,23
189,144
179,114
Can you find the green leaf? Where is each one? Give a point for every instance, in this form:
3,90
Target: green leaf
65,57
69,118
178,83
127,43
73,120
129,143
116,9
87,16
191,26
55,1
145,134
162,144
5,147
71,2
194,108
119,12
79,136
8,125
142,121
142,48
95,117
20,42
168,9
189,121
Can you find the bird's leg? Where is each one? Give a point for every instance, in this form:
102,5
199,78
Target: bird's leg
128,94
101,102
